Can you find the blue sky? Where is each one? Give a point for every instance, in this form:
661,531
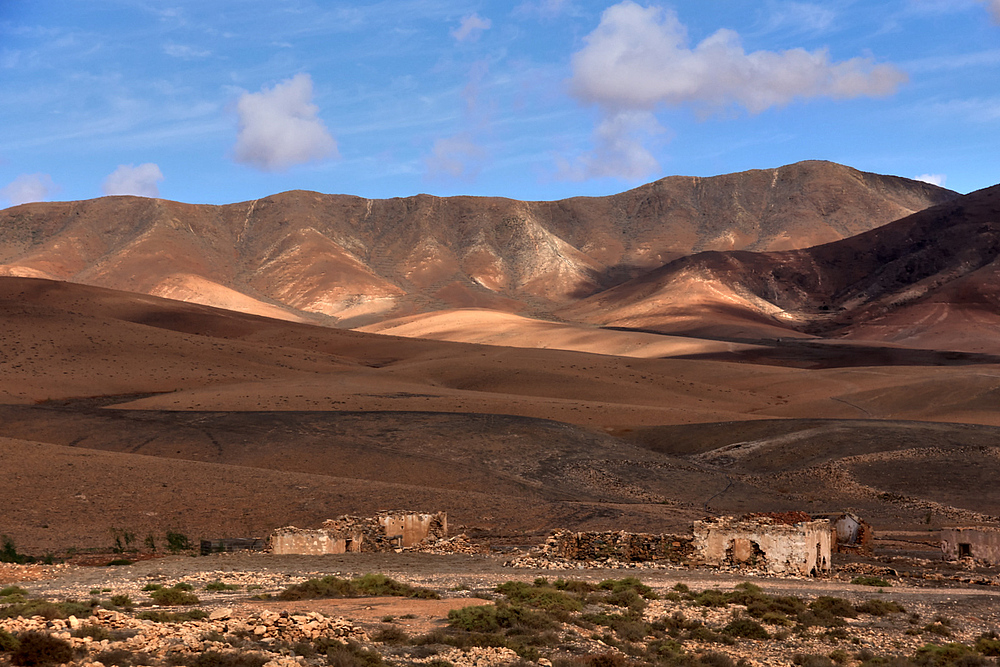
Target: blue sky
231,100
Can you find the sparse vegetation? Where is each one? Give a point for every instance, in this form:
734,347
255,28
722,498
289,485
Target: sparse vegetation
869,580
221,586
364,586
39,648
178,594
177,542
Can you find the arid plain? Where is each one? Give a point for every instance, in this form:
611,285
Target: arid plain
632,362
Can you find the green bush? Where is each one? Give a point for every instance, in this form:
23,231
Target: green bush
121,600
491,618
169,597
812,660
877,607
47,610
152,587
869,580
38,648
390,634
220,586
832,605
746,627
8,642
934,655
339,654
988,644
120,657
367,585
540,595
10,591
178,542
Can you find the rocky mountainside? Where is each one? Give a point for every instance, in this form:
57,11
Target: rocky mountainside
310,256
928,277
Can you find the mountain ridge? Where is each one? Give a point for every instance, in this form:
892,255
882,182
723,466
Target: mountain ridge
345,260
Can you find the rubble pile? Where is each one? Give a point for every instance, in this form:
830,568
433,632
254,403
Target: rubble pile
162,639
459,544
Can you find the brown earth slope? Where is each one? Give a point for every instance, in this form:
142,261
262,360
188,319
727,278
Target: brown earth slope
931,279
308,255
219,424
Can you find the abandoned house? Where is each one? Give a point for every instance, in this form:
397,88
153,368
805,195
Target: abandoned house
851,534
386,531
978,542
786,543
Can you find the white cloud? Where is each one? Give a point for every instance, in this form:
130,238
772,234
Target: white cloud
185,52
639,58
800,17
543,8
933,179
128,179
471,27
279,127
28,188
458,156
619,149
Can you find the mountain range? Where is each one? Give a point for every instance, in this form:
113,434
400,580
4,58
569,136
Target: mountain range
809,337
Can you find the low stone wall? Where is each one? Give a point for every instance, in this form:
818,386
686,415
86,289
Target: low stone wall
621,546
292,540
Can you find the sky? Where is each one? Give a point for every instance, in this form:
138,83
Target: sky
232,100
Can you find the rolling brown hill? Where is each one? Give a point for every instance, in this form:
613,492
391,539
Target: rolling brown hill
310,256
931,279
130,412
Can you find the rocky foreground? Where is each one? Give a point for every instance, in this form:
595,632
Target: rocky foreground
472,612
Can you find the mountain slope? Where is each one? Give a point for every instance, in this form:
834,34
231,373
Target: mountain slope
926,277
301,255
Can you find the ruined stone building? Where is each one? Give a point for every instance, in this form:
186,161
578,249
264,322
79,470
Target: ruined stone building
787,543
851,534
978,542
386,531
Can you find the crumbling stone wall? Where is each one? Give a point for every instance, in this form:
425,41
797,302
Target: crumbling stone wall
978,542
388,530
292,540
620,545
790,543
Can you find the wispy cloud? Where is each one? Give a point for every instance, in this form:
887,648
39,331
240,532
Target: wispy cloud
28,188
619,149
128,179
458,156
471,27
279,127
185,52
803,17
933,179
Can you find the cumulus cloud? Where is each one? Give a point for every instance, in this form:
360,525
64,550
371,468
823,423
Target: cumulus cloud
619,149
933,179
28,188
471,27
128,179
639,58
458,156
279,127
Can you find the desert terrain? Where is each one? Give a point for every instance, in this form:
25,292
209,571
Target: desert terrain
809,338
